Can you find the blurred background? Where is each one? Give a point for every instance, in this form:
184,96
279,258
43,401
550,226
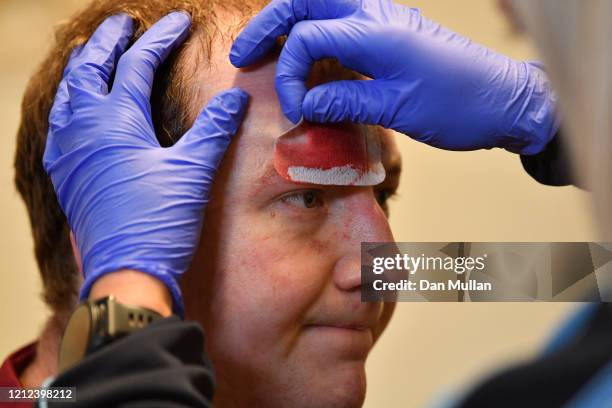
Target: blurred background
444,196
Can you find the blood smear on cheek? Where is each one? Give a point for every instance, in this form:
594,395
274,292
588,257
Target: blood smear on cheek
345,155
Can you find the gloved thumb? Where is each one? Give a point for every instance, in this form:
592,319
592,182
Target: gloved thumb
214,128
359,101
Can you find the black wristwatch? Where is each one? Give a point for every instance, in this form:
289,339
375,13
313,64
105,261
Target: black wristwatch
96,323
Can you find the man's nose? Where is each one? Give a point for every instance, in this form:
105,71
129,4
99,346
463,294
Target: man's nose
363,221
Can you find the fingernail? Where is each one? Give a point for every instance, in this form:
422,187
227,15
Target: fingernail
241,93
122,16
181,14
293,116
234,56
234,100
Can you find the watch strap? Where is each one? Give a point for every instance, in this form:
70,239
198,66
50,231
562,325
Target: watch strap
96,323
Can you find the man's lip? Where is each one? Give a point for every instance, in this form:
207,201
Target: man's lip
346,326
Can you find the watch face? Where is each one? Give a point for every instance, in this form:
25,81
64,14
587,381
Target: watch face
76,338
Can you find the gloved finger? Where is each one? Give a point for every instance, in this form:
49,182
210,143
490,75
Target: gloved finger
83,84
214,128
60,111
308,42
86,89
52,152
277,19
136,68
101,53
91,68
358,101
74,59
103,49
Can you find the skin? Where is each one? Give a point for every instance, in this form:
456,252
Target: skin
276,278
297,334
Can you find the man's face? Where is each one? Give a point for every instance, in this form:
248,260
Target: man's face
276,279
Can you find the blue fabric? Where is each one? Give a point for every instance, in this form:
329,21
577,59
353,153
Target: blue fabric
593,394
571,328
597,393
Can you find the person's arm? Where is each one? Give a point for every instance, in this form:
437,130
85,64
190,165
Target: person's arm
161,365
575,372
131,203
427,81
134,288
136,210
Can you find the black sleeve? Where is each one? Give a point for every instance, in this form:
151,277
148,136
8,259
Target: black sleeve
554,379
162,365
551,166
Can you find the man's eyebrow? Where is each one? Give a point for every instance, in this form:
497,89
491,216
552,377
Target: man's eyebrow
392,164
394,169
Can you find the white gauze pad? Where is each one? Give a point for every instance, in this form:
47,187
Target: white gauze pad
330,154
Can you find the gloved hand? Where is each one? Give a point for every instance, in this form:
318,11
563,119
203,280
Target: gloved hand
132,204
428,82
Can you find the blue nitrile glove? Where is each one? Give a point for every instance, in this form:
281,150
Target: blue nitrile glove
429,82
132,204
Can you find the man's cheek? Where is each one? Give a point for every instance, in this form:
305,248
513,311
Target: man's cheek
388,310
289,267
265,295
287,273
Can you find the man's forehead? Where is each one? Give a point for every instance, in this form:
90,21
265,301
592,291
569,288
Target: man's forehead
218,74
264,120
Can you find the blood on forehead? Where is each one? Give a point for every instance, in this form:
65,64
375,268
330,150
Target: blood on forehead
330,154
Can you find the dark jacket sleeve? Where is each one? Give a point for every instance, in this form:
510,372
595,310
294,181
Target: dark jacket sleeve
162,365
556,378
551,166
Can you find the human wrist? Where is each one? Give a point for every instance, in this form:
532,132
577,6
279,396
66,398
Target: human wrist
134,288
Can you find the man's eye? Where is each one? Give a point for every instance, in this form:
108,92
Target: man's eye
306,199
382,196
